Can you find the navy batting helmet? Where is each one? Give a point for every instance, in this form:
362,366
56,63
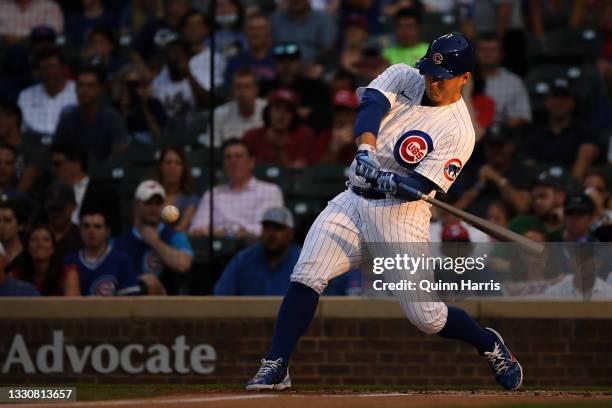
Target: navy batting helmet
447,57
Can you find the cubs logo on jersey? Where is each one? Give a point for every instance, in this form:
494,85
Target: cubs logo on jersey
452,169
412,147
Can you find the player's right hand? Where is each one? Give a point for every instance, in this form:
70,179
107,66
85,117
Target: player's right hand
368,166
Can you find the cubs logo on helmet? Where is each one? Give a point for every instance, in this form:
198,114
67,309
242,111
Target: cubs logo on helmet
412,147
452,169
437,58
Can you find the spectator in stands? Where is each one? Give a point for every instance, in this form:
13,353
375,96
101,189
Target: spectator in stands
19,17
29,158
8,179
59,206
195,29
229,20
41,264
391,7
547,16
259,56
93,124
314,107
314,31
480,105
176,86
500,213
154,33
499,178
342,80
595,185
70,165
174,174
10,286
143,114
584,263
370,10
244,112
578,212
564,140
42,104
283,140
370,65
337,144
512,107
101,48
355,39
408,47
547,199
239,205
532,274
162,255
102,270
42,37
92,16
263,269
12,222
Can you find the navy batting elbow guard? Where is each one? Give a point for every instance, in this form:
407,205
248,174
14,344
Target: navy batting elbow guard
372,109
415,181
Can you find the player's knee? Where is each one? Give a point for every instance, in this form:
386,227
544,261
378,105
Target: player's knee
316,284
429,319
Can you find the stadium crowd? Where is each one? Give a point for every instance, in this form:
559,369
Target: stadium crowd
104,120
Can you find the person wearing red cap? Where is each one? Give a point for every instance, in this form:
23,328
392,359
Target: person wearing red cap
337,144
283,139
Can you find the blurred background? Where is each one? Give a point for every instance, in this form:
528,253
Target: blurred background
107,106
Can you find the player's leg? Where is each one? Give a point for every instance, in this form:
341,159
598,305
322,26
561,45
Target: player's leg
424,309
332,247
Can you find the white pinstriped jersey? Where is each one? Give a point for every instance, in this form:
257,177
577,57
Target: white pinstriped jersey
435,142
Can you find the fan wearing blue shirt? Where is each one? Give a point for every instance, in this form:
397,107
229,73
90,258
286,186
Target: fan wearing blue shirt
102,269
162,255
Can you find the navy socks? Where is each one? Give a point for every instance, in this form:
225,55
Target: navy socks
460,326
294,317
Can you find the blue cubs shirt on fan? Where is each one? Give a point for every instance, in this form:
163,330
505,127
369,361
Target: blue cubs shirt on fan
147,261
111,274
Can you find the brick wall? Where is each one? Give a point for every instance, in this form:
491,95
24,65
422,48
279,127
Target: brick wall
554,352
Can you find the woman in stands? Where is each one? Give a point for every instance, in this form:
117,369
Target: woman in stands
174,173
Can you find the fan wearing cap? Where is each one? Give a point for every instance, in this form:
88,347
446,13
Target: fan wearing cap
160,253
578,210
547,198
563,140
283,140
291,73
408,47
337,144
263,269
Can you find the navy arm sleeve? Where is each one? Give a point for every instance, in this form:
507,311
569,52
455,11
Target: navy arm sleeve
416,181
372,109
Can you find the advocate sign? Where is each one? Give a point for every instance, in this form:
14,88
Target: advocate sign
106,358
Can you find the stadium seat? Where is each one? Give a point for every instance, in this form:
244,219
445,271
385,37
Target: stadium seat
320,181
274,174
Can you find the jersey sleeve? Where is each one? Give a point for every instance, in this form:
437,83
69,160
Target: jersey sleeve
397,78
448,157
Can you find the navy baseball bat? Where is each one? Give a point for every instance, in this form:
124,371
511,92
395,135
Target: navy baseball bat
494,230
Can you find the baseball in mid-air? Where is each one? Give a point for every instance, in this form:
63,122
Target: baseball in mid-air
170,213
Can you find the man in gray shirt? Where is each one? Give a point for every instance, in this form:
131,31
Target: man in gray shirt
314,31
512,107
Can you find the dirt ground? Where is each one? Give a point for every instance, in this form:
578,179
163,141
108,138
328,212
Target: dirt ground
344,400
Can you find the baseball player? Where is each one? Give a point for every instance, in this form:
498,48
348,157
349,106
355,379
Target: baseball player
413,128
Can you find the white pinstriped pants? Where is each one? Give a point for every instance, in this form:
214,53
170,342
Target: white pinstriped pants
334,242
